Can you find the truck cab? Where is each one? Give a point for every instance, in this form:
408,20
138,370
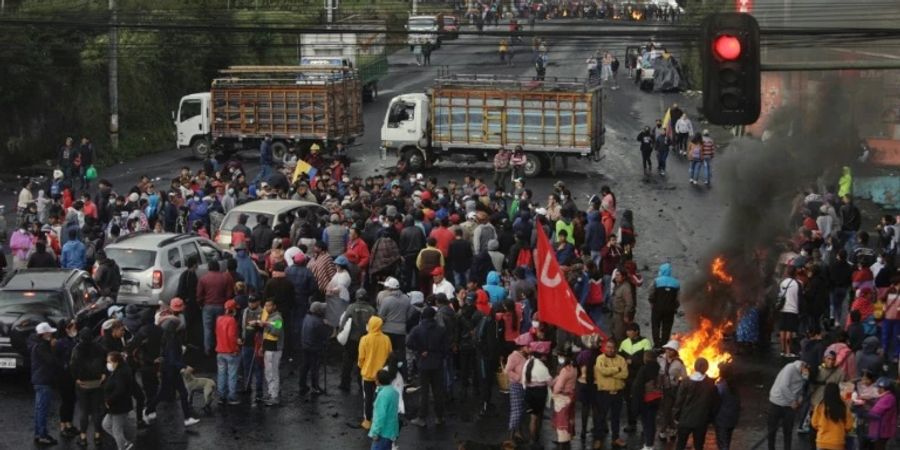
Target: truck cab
424,29
405,128
192,124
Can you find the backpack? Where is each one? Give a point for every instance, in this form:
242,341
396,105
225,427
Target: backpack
595,292
782,297
525,258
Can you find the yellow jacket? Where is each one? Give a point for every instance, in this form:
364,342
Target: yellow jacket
610,373
374,349
829,434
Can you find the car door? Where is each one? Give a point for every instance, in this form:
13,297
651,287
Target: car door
210,252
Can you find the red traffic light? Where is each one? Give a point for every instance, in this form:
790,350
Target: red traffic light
727,47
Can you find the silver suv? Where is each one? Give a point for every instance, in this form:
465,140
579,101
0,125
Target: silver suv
152,263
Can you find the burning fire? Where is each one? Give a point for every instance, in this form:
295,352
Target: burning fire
705,342
718,271
636,15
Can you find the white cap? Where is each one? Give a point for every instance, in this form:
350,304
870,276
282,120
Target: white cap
57,174
541,211
672,345
416,298
391,283
471,215
44,328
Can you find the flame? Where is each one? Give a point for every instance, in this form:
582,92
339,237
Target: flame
705,342
636,15
718,271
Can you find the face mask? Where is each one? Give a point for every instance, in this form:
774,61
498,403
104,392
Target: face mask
535,324
562,198
110,366
72,333
805,375
562,361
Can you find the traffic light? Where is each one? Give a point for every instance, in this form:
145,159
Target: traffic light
731,87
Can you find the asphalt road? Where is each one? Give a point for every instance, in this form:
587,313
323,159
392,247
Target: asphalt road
674,221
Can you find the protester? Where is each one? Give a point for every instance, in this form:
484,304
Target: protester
610,373
696,405
832,420
385,423
227,354
117,397
374,350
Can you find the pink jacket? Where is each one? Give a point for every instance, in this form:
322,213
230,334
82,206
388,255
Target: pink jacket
564,383
883,417
20,244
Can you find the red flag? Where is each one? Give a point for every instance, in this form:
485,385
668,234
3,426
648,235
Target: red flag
557,304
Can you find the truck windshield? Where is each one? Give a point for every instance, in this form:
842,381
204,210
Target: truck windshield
422,24
189,109
400,112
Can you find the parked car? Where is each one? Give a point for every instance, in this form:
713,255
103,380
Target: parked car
56,296
152,263
276,211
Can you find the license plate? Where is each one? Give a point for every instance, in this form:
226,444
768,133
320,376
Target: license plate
7,363
134,289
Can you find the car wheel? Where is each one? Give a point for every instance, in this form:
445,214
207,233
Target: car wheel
200,148
533,165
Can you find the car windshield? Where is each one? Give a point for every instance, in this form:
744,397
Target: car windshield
421,24
131,259
27,302
232,220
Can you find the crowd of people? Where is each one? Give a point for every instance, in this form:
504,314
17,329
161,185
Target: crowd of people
429,288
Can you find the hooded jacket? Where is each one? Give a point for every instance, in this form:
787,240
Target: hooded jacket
88,358
496,293
117,390
248,271
883,417
304,285
697,402
430,343
395,308
788,386
374,350
595,234
868,358
315,332
664,297
74,255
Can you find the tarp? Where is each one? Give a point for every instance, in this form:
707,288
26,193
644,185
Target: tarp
667,75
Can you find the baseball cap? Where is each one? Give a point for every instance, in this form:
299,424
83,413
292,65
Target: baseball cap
341,261
672,345
176,304
391,283
231,305
299,258
44,328
437,271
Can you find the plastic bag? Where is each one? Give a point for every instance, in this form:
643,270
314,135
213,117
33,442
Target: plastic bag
344,335
91,173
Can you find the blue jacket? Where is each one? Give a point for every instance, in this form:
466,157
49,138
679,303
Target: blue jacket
43,364
73,255
304,286
665,278
565,254
315,333
496,293
595,234
430,340
385,414
247,270
265,153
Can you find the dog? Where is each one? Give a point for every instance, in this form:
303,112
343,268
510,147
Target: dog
199,384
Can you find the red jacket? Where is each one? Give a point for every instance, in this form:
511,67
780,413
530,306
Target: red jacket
215,288
444,237
361,250
226,334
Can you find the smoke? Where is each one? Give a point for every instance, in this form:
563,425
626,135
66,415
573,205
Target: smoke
759,182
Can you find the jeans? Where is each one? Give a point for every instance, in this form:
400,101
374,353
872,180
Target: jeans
699,434
723,437
586,393
368,399
252,367
227,375
210,314
271,360
382,444
309,368
149,383
431,379
645,160
695,169
114,425
66,398
610,409
43,394
782,416
265,171
648,422
460,278
890,329
90,406
662,154
707,164
838,297
500,179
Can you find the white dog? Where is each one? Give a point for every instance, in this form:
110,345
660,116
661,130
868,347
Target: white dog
199,384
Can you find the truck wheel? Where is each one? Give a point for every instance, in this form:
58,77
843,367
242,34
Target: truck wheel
279,151
533,165
414,159
200,148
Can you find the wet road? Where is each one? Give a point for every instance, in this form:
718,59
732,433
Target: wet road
674,222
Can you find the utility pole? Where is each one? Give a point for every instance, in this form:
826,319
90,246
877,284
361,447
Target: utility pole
113,77
415,6
329,11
